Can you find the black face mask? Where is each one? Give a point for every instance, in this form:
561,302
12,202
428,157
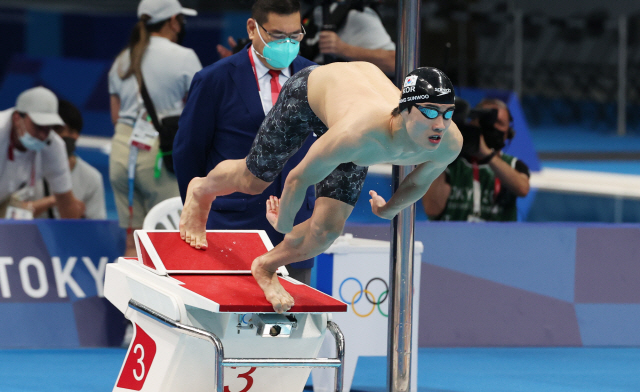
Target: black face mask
70,143
181,34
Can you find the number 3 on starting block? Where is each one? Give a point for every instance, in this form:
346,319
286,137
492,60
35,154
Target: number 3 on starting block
138,361
140,357
247,377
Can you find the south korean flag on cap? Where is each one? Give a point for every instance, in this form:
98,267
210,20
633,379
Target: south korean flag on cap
410,80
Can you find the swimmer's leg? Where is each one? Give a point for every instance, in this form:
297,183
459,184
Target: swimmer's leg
227,177
306,240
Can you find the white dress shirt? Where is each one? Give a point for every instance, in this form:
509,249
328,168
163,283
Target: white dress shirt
264,81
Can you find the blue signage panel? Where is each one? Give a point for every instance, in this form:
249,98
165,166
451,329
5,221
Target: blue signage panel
51,283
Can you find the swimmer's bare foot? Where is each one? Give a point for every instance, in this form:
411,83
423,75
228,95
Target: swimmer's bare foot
193,220
273,290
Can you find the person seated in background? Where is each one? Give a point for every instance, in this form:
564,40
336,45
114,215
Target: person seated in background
86,181
30,152
483,183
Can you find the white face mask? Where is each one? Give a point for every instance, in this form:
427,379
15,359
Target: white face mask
31,143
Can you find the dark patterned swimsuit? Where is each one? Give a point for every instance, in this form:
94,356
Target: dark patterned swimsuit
283,132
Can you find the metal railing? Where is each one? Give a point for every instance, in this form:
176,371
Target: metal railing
402,226
222,362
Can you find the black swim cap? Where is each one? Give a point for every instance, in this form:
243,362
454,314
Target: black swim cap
426,84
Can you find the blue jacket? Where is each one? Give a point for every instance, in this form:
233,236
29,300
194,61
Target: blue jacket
220,120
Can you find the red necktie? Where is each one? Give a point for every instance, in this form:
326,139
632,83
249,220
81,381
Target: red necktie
275,85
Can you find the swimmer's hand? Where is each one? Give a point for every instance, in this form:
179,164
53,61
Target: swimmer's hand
273,215
377,205
273,208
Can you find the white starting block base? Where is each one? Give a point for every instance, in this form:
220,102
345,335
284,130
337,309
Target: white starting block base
229,306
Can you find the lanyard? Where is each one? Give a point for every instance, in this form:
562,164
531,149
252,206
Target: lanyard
131,175
32,184
476,187
253,66
10,152
497,187
11,156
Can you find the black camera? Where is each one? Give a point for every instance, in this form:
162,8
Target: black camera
484,125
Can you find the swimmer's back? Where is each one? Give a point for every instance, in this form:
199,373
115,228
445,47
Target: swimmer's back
340,89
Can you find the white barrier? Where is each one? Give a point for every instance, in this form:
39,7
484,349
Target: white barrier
360,278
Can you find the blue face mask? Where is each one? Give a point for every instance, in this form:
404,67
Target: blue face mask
281,53
31,143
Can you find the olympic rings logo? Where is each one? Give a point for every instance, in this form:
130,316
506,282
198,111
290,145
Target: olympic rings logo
368,295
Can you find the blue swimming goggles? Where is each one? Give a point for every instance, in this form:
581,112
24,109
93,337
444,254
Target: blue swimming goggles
432,113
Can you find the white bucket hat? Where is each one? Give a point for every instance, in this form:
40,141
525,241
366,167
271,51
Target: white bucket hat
41,105
160,10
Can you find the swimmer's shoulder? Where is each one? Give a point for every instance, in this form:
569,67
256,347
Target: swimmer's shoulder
366,66
346,69
371,123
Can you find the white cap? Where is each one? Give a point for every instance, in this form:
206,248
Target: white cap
41,105
160,10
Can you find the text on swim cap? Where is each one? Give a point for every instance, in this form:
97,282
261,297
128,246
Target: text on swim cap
443,91
408,90
414,98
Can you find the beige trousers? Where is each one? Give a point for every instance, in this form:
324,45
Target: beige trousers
148,190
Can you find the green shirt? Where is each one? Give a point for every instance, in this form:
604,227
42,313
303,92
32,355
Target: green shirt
460,204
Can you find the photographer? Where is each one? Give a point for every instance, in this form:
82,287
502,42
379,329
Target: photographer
483,183
148,84
347,30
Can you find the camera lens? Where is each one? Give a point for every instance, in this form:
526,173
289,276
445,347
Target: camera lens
275,330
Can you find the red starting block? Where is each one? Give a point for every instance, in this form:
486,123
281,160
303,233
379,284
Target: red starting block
228,252
202,323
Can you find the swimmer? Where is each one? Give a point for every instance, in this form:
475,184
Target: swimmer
361,119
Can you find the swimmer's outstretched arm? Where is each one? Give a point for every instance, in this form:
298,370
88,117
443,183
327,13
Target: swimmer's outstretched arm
322,158
416,183
411,189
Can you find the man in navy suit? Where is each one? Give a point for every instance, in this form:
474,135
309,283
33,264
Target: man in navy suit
227,102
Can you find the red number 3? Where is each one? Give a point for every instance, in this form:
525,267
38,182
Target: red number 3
246,376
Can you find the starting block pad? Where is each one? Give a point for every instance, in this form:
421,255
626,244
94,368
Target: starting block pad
228,252
214,291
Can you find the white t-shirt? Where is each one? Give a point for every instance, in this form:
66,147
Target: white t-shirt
167,69
27,168
264,81
363,29
87,187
